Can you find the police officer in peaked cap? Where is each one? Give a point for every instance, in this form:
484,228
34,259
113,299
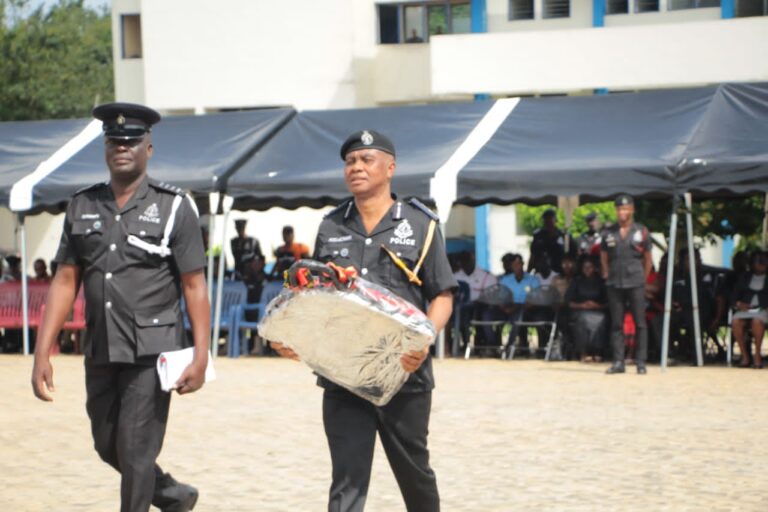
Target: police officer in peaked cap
136,247
371,231
625,260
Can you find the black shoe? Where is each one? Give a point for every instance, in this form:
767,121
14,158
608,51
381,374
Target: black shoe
615,368
173,496
641,370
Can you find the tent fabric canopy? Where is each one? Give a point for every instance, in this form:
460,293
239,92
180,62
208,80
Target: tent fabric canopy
301,165
25,144
195,153
648,143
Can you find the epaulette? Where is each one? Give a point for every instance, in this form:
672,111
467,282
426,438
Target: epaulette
167,187
344,204
424,208
91,187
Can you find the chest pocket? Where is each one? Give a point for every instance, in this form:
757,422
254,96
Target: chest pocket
408,255
144,240
88,237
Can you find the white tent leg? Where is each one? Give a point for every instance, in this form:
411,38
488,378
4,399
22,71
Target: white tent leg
227,206
668,285
440,347
213,208
694,284
24,284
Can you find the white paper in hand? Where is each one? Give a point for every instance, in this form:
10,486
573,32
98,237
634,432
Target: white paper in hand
170,366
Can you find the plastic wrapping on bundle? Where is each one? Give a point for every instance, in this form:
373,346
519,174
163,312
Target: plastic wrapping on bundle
353,334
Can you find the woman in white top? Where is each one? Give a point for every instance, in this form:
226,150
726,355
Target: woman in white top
750,299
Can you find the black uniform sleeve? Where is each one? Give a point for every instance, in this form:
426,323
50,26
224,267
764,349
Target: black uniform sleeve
187,240
436,273
318,243
67,252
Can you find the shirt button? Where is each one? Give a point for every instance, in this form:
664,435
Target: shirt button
155,320
109,305
368,241
117,217
142,233
87,231
112,247
364,271
108,275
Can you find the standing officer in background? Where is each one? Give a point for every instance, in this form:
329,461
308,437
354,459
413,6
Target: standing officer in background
135,245
625,259
372,231
589,242
241,246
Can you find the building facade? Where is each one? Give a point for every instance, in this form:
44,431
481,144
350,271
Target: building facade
197,56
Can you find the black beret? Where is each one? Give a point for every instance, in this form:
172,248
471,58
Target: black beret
367,139
241,222
549,212
590,216
12,259
126,120
623,200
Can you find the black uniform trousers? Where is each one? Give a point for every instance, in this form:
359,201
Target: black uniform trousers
128,412
351,424
618,298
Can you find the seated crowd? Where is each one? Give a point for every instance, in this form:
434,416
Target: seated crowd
562,283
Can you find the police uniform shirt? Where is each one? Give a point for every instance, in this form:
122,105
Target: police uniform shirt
242,246
132,290
342,239
626,255
587,241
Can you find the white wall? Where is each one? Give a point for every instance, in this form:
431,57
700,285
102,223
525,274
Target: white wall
234,53
636,57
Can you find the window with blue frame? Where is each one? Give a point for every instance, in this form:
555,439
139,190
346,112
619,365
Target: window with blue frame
415,22
520,10
746,8
692,4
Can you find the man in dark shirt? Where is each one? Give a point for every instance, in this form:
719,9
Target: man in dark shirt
625,259
549,240
136,247
369,232
242,245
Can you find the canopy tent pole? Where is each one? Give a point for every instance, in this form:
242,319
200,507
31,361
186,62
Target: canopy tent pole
213,208
694,284
24,284
226,204
568,204
668,285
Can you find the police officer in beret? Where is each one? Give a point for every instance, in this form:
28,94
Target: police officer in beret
625,258
136,247
373,231
590,239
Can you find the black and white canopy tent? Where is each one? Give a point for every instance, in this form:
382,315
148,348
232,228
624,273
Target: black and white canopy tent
711,140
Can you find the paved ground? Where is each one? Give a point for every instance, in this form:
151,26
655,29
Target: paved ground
520,435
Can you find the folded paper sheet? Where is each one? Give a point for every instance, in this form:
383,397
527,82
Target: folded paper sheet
170,366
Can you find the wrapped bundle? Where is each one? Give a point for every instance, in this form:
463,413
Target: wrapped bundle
346,329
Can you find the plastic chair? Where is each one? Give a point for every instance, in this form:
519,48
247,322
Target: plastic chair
238,344
233,295
544,298
496,295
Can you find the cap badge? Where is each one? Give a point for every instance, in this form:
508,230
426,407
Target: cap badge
366,138
120,119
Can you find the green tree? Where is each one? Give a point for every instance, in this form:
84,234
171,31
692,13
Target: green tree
54,63
530,216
